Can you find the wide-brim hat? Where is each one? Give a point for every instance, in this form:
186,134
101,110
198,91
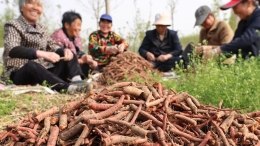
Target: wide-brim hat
162,19
230,4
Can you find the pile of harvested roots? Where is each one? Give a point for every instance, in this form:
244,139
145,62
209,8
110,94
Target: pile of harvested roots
126,65
130,114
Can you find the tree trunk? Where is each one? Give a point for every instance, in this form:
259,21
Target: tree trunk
108,6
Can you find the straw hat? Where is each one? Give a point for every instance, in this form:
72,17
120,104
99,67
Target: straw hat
162,19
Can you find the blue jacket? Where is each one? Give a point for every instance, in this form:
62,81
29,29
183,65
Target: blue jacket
169,45
246,37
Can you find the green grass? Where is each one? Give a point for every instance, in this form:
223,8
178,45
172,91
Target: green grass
1,68
237,85
14,106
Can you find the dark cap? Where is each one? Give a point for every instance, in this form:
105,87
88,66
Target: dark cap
201,14
106,17
230,4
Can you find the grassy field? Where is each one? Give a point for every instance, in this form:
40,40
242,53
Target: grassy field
12,107
237,85
15,106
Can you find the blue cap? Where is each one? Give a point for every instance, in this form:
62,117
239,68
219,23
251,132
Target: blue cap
106,17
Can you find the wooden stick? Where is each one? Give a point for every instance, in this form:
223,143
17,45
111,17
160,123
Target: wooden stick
132,91
176,131
181,97
123,139
46,128
136,129
147,115
63,122
68,133
45,114
161,137
221,133
154,92
53,136
84,134
155,102
206,139
61,58
227,122
192,105
187,119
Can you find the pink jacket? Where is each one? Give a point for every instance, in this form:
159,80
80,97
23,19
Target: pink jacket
62,40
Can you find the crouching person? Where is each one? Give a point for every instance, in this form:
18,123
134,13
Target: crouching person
104,43
68,37
213,32
161,46
32,57
246,37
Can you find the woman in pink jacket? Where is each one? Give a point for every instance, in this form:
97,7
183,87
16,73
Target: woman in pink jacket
68,37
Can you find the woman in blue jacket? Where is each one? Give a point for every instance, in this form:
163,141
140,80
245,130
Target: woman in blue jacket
247,37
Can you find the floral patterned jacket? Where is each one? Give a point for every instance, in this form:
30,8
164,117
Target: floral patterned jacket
98,43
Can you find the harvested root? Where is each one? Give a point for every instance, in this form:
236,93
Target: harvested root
138,113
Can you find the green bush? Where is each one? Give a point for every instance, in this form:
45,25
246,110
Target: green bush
237,84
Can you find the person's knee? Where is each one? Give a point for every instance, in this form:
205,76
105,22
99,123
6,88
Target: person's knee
173,60
74,55
31,65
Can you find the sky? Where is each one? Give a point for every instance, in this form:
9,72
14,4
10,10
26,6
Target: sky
124,13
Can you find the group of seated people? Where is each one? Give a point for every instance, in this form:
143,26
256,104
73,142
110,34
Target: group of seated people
31,56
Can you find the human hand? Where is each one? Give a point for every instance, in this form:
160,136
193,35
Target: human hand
87,58
150,56
93,64
111,49
68,55
208,53
49,56
211,53
164,57
199,50
121,48
206,48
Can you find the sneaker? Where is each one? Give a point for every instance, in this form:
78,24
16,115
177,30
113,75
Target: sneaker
80,88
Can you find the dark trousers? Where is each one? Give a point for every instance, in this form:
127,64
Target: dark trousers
167,65
85,69
187,54
33,73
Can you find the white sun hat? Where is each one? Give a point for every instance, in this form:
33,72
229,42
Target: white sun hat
162,19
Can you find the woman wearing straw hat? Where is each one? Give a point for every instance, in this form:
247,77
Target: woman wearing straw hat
161,46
